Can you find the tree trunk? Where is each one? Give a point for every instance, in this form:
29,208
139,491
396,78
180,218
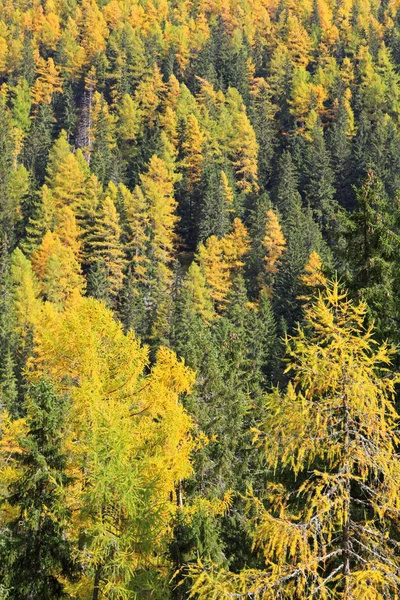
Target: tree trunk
346,544
96,586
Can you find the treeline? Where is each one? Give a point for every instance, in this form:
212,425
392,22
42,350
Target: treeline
190,175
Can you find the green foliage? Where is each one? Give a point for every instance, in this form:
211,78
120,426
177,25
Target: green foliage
37,557
197,170
333,532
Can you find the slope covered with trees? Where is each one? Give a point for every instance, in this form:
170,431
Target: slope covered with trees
179,183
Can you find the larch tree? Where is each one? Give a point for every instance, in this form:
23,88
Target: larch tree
48,81
57,268
192,147
274,244
242,146
215,268
105,247
128,445
157,185
222,259
334,533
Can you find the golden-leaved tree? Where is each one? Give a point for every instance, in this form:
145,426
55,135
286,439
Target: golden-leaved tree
128,445
334,534
222,259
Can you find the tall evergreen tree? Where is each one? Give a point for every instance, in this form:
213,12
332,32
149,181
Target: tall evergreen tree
37,556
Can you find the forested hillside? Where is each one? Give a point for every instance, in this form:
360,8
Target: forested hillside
191,404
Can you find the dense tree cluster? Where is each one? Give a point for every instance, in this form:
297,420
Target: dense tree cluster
179,183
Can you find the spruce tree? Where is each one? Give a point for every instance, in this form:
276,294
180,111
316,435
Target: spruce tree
37,556
319,179
374,247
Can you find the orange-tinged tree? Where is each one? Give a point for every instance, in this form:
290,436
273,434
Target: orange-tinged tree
221,259
274,243
313,277
48,82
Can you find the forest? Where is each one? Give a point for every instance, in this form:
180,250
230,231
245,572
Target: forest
199,299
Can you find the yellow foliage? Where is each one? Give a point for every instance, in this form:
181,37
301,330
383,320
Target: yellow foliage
236,245
216,269
221,258
128,443
158,189
313,277
26,290
338,412
137,219
56,266
196,285
243,148
11,431
48,82
192,147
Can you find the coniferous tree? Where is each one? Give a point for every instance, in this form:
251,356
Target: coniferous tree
38,557
374,245
319,189
105,253
329,538
217,201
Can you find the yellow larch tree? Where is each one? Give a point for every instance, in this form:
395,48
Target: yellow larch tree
236,245
104,246
335,535
66,174
50,31
92,28
68,230
149,95
216,269
169,124
128,445
137,229
48,81
221,259
313,278
297,41
129,119
192,147
26,292
57,267
158,188
242,144
227,192
274,244
199,293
